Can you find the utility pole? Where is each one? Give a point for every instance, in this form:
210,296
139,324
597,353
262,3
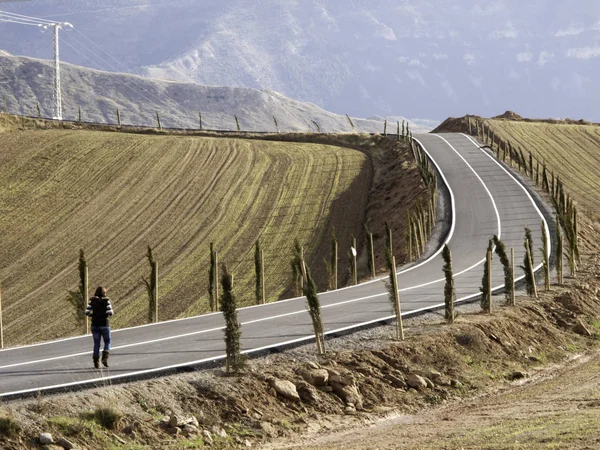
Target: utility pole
57,96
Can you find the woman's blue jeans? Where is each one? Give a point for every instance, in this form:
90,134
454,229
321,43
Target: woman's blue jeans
104,333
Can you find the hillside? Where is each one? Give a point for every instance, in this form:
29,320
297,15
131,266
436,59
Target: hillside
25,81
426,58
570,149
113,194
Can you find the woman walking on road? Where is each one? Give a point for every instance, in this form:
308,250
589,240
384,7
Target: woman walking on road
100,309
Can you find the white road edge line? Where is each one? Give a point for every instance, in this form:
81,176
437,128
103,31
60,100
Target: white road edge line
549,241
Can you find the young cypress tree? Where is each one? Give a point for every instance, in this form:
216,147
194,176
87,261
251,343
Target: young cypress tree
486,299
508,273
314,309
332,265
211,279
317,126
528,264
449,293
559,253
351,123
237,124
200,120
259,273
276,124
233,333
385,127
530,165
152,287
78,298
296,264
545,184
388,247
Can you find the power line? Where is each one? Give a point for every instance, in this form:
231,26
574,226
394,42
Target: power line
123,67
125,83
7,20
27,18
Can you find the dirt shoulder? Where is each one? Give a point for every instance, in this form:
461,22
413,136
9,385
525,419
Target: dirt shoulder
558,407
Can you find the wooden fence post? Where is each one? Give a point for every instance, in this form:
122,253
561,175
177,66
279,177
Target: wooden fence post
155,293
399,326
1,325
335,267
85,299
512,268
489,280
262,277
216,282
354,270
372,256
531,272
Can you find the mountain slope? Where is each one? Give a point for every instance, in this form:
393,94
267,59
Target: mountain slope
99,94
426,58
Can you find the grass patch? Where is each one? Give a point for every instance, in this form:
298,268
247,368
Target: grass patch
107,417
9,426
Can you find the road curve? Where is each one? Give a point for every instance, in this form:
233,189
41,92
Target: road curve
486,200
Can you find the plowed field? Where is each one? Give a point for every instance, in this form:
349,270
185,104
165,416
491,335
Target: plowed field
114,194
573,151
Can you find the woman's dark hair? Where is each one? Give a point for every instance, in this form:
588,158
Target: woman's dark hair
100,292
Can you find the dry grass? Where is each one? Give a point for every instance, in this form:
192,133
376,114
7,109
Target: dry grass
113,194
570,150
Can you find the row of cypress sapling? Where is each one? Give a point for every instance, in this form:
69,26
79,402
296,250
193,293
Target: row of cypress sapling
421,221
566,211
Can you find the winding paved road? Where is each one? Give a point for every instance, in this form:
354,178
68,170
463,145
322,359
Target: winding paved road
486,200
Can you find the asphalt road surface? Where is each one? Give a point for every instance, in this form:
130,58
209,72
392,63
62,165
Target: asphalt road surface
485,200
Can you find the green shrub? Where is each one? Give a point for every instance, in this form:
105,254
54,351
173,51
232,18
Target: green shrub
8,426
107,416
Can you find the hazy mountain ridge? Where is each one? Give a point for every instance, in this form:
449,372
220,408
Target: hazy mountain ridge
99,94
377,57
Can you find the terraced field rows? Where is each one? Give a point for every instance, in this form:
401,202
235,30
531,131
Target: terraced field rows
573,151
113,194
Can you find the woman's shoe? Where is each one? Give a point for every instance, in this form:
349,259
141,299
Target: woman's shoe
105,355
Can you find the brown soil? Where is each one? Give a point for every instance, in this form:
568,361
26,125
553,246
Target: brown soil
509,115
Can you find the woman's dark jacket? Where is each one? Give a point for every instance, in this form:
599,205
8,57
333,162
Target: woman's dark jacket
100,310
